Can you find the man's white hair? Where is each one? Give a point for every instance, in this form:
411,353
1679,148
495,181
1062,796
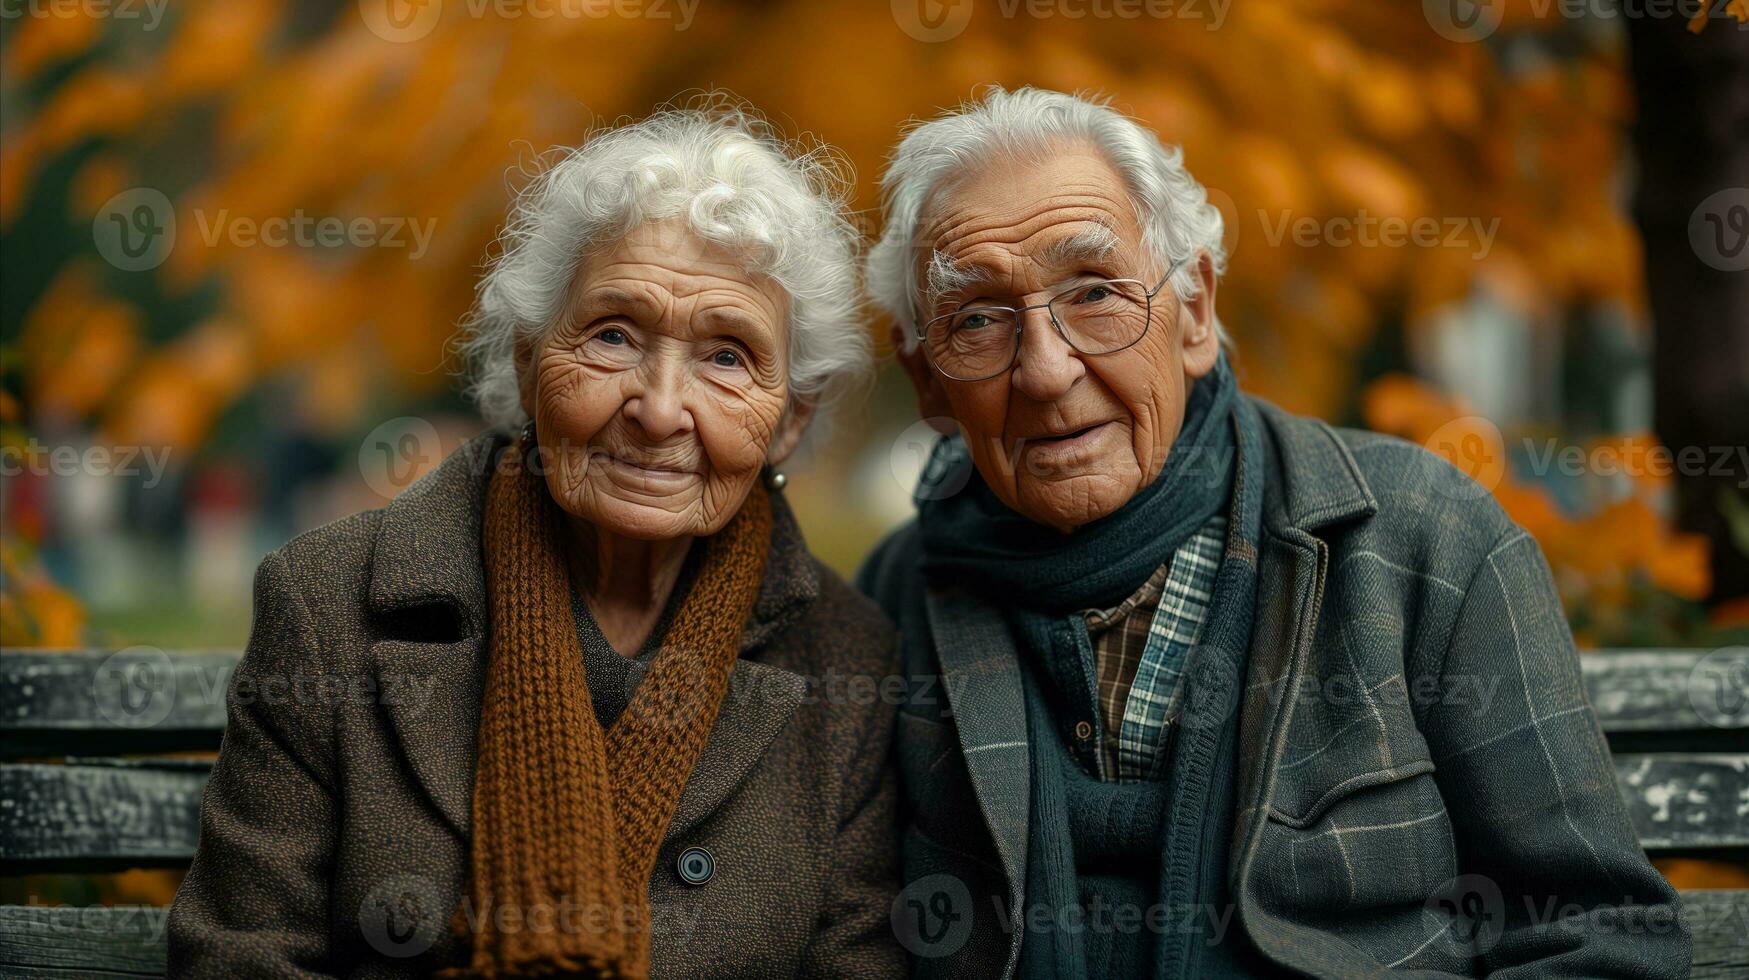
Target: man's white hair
737,184
1172,208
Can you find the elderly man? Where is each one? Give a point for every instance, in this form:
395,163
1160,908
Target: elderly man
1224,691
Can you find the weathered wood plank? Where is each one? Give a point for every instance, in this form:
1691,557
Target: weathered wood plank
116,814
1720,923
1668,690
140,699
41,942
1687,802
58,943
145,700
99,814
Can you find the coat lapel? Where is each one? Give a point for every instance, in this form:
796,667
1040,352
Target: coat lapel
426,578
760,701
981,672
436,727
1312,482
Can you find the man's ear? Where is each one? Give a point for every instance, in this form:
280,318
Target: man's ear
1197,330
932,404
789,430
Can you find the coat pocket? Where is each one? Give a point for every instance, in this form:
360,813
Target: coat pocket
1376,840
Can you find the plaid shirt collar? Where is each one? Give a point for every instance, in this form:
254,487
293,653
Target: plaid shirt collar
1140,648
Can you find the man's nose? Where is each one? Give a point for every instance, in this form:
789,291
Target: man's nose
658,405
1048,367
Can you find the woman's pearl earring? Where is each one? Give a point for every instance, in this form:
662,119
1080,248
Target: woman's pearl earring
775,480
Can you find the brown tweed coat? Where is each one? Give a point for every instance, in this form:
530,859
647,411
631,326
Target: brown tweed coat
334,830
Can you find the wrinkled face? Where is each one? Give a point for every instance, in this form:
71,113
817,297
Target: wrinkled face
1063,438
657,401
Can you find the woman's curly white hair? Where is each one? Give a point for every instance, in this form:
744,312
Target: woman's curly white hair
781,205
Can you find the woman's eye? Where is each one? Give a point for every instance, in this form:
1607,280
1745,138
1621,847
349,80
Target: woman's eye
726,358
612,335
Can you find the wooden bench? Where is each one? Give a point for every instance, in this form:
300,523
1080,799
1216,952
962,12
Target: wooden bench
1675,720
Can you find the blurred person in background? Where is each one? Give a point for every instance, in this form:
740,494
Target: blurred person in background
588,744
1201,656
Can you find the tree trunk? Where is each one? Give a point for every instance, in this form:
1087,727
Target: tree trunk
1692,204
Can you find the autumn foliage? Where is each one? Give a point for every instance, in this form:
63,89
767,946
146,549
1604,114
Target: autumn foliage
250,110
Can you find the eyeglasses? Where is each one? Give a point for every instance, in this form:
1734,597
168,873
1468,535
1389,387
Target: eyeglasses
981,342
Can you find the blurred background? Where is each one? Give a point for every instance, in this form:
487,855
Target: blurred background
237,236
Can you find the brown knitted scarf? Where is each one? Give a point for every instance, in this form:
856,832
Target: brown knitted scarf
568,817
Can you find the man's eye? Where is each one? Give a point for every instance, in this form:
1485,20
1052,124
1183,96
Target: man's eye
1095,294
975,321
726,358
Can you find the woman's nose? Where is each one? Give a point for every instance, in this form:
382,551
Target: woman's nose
658,405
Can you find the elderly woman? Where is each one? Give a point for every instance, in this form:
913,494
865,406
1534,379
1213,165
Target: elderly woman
587,743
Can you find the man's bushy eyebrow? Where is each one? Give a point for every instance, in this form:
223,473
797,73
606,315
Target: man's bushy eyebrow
1091,244
944,275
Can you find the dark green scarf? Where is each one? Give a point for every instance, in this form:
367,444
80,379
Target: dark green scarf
971,537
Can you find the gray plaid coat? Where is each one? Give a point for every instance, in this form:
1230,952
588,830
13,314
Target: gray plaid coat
1422,786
